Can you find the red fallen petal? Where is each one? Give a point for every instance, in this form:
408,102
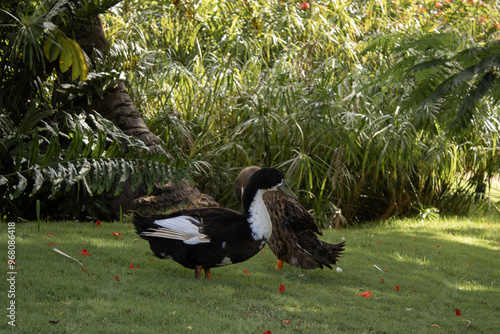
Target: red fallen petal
415,239
116,233
411,247
98,223
437,245
132,266
366,294
267,332
248,315
116,278
397,288
84,269
52,244
282,288
128,226
457,312
152,259
84,252
381,281
285,321
49,235
246,272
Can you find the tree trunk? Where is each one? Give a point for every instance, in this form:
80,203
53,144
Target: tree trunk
117,106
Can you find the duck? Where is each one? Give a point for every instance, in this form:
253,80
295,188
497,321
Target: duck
204,238
294,238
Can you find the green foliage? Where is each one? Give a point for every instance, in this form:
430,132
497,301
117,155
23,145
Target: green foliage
324,94
73,161
353,100
53,154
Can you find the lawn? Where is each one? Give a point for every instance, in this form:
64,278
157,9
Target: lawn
421,273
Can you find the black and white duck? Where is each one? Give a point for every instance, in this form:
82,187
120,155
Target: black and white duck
204,238
294,237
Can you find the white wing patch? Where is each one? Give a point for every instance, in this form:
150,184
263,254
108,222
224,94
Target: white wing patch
184,228
186,224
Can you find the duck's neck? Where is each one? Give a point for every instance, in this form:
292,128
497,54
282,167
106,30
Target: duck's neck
256,211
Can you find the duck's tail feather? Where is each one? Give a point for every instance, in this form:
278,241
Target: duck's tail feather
334,250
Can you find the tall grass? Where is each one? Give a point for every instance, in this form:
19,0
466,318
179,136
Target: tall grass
236,83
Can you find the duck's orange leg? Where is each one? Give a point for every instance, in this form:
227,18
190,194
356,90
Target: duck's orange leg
207,274
197,271
279,265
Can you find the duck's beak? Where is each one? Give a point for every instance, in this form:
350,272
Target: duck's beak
287,191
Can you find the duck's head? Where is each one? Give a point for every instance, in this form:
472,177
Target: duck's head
242,180
253,178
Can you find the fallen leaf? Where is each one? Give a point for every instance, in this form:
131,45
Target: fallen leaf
366,294
116,278
282,288
381,281
434,325
152,259
285,321
84,252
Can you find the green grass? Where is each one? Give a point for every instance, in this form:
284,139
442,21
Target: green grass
162,296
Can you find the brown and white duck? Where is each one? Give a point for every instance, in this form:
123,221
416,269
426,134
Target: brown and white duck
204,238
294,236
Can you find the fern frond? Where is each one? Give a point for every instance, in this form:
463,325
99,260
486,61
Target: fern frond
465,112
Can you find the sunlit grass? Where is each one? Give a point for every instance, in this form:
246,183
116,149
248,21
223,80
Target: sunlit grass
55,295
